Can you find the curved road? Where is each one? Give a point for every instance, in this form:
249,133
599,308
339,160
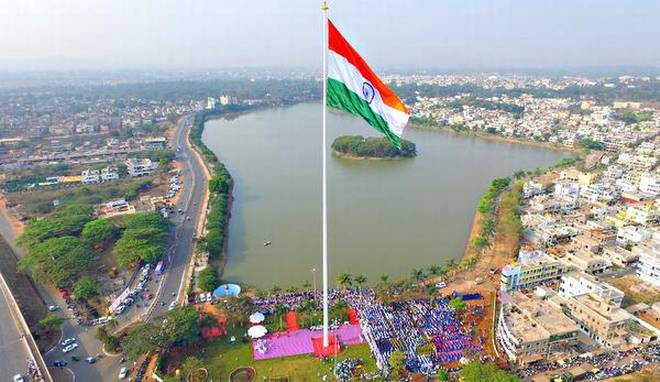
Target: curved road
107,367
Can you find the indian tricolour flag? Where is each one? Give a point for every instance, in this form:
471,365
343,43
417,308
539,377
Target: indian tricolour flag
355,88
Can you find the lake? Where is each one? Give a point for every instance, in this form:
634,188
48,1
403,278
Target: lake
385,216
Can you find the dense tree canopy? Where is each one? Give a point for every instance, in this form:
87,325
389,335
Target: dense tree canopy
99,231
208,279
145,238
58,261
63,222
372,147
477,372
85,288
178,326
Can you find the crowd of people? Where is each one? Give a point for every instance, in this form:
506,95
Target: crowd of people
344,369
404,326
439,323
605,365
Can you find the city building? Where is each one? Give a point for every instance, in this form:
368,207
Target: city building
532,269
648,266
157,143
596,308
140,167
530,328
586,261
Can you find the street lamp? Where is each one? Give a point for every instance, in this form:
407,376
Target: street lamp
314,270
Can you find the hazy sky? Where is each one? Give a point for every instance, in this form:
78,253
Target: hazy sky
267,33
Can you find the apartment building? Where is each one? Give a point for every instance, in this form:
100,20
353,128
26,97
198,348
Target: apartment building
531,328
595,307
533,268
140,167
648,266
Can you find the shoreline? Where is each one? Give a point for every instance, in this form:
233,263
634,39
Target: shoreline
342,155
496,138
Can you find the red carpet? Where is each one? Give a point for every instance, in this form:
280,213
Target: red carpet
331,350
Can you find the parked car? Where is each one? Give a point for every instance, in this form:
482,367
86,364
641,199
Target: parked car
18,378
441,285
202,297
68,341
59,363
70,348
90,360
173,305
52,308
123,373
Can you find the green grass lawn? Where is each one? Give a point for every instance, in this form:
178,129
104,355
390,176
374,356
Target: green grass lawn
222,358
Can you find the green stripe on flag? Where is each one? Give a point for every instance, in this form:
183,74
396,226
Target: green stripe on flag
340,97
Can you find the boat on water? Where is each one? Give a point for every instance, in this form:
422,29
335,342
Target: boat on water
267,243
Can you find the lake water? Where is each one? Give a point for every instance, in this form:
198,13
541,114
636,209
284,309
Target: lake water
385,217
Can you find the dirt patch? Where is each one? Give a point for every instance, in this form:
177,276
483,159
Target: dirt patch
16,224
635,290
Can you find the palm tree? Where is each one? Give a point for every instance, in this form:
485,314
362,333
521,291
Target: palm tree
292,289
434,269
360,280
275,289
306,285
384,278
345,280
417,274
279,310
451,265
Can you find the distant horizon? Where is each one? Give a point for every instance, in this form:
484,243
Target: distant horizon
448,34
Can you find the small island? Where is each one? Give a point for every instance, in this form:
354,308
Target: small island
358,147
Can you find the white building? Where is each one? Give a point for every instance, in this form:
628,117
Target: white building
140,167
90,176
650,184
648,266
632,234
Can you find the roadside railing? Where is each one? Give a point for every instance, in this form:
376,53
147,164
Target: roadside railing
15,311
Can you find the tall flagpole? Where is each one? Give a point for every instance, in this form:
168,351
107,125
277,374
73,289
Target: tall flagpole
324,8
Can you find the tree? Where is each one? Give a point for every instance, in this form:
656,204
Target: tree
208,279
306,285
458,305
58,261
360,280
443,375
50,321
99,231
344,280
275,289
140,340
435,269
477,372
397,364
59,224
279,311
85,288
192,364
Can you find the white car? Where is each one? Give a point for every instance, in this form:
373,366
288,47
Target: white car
18,378
52,308
68,341
173,305
441,285
209,297
70,348
202,297
120,309
123,373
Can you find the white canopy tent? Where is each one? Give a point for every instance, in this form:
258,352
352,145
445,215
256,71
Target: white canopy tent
256,318
257,331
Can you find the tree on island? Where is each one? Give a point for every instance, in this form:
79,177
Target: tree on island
371,147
